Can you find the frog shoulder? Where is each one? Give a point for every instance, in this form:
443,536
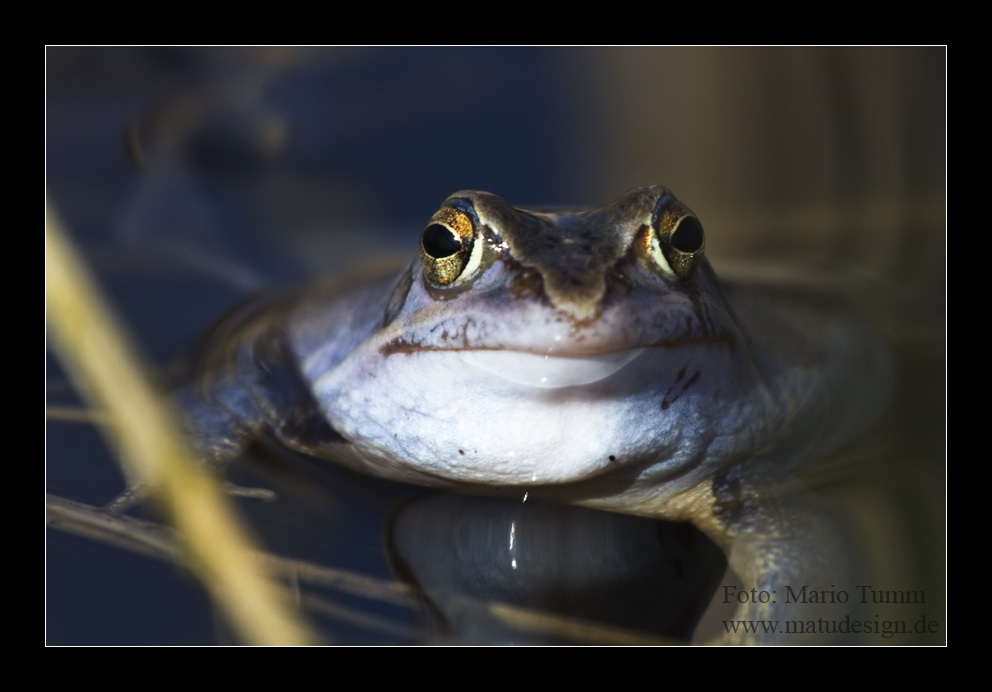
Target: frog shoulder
247,380
832,372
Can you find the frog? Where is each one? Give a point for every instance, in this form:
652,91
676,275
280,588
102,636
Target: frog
590,357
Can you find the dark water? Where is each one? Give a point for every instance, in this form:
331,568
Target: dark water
192,178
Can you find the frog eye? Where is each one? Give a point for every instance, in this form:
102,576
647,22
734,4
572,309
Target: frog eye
448,247
677,242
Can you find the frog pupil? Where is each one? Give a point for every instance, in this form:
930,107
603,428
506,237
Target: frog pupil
688,235
439,241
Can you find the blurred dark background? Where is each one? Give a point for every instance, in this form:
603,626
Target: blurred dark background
192,177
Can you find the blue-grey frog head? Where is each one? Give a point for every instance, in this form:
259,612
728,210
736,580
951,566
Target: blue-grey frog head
531,348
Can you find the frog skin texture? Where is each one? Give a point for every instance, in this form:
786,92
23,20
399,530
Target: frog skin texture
590,357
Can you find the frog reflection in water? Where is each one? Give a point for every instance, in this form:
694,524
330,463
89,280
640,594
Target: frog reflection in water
589,357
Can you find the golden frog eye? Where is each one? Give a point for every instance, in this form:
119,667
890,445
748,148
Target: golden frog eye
677,241
448,247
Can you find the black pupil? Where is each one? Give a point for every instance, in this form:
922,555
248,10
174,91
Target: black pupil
688,236
439,241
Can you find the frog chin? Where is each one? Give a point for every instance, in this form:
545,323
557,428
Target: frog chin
546,371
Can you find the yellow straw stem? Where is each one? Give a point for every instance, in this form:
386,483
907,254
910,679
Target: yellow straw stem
102,364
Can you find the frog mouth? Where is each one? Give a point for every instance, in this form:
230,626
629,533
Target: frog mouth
546,371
